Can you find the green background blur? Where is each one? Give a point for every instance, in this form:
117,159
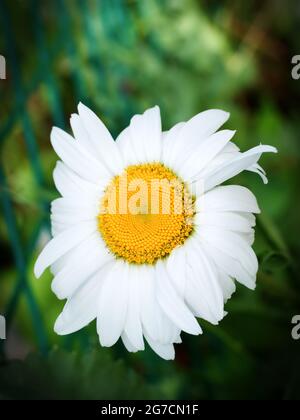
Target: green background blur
120,57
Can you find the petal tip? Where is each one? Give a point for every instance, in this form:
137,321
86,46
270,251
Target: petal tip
273,149
196,330
53,132
73,116
38,270
82,108
58,326
58,293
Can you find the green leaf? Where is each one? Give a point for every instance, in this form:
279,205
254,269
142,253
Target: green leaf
62,375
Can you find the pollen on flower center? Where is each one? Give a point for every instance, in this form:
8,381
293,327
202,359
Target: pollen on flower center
145,213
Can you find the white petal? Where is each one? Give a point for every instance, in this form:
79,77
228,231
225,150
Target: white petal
63,219
61,244
248,216
172,304
233,167
249,237
148,303
233,244
86,259
228,198
66,214
170,331
260,171
175,264
64,185
231,265
76,158
81,134
141,141
168,140
81,308
192,133
61,262
58,227
165,351
113,304
226,220
229,152
178,340
145,134
204,152
230,148
133,325
69,184
204,293
227,285
155,323
71,207
68,219
101,141
124,143
128,344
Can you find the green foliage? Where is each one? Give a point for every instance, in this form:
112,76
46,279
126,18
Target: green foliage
61,375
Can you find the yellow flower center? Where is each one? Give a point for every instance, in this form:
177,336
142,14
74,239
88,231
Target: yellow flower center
145,213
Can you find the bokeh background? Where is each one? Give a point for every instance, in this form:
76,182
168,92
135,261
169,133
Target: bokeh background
120,57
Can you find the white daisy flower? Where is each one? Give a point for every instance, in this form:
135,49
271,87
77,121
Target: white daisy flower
119,257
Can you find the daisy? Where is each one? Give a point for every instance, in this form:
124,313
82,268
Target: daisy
146,261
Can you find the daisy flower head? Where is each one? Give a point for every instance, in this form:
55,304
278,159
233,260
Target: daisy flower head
145,238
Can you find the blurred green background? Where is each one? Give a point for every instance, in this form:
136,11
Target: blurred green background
120,57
